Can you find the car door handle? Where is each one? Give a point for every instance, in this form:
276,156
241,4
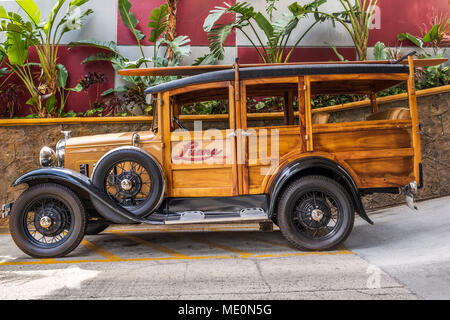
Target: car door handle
231,134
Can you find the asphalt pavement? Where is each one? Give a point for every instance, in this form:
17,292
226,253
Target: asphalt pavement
405,255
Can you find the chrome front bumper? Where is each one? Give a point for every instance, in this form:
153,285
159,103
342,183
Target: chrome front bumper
6,209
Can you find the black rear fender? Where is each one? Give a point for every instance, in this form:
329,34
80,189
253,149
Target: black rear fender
315,166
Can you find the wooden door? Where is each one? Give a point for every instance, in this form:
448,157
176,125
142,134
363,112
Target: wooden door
267,136
203,157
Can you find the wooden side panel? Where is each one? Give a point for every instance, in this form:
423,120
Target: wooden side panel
362,140
264,152
381,155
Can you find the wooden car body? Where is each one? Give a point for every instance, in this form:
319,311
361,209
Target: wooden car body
377,154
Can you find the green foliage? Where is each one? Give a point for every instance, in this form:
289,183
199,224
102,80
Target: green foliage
159,19
407,36
332,100
158,22
129,19
277,34
356,18
380,51
206,107
48,91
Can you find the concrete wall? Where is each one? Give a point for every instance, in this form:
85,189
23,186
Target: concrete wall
21,145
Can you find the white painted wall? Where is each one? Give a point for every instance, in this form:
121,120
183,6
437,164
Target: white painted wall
101,25
321,33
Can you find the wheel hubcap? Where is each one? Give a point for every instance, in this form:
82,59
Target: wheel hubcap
45,222
126,185
48,221
317,215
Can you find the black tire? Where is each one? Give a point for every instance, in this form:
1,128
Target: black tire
151,168
309,207
50,200
95,227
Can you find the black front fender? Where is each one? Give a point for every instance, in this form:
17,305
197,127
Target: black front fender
72,179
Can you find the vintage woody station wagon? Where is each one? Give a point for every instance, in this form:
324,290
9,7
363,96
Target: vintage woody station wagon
305,170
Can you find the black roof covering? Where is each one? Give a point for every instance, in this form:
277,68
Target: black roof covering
279,71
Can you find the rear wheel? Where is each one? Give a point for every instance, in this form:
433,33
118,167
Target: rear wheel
315,213
47,221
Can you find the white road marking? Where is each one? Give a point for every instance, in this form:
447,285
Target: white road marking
40,283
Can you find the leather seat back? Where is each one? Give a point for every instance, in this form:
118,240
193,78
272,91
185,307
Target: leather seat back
391,114
320,118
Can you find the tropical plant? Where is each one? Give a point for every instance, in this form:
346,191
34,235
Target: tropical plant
381,52
9,96
277,33
89,80
158,24
357,19
434,36
49,82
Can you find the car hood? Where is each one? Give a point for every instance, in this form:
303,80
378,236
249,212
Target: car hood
110,139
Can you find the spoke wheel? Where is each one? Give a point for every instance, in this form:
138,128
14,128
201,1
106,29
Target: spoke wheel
128,183
315,213
133,180
47,221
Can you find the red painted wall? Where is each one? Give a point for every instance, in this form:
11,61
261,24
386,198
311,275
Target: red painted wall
190,18
71,59
399,16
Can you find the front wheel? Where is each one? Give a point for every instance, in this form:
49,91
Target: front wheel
47,221
315,213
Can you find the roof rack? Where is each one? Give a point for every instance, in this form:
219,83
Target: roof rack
195,70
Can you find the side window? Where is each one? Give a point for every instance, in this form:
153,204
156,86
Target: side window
320,101
272,105
208,108
354,101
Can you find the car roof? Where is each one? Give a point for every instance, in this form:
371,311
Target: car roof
279,71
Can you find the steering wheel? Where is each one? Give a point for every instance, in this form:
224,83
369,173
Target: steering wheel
178,122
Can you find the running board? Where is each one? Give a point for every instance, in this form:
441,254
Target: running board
188,217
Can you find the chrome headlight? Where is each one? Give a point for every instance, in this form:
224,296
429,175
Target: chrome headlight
61,149
60,152
47,157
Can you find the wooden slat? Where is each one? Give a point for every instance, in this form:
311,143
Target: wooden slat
301,113
359,76
414,118
361,125
308,115
373,102
374,154
232,119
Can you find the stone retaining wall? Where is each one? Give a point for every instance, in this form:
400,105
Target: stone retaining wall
20,147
